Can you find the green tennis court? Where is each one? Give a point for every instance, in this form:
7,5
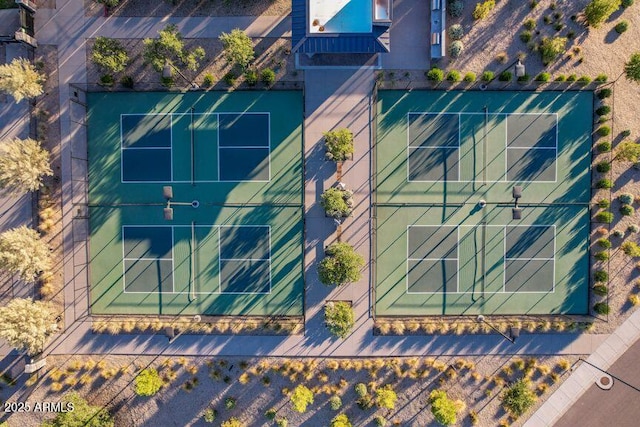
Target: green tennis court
196,203
482,202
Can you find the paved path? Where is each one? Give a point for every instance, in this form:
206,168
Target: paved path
583,378
332,99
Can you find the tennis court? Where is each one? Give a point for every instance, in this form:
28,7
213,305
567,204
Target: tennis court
489,194
196,203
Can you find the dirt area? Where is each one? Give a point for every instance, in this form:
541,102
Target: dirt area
273,53
192,8
193,385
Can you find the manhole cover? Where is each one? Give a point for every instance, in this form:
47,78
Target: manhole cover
605,382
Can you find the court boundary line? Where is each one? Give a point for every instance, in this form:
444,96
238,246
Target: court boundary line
506,146
209,226
504,240
268,147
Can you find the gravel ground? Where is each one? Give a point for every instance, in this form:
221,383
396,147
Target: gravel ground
193,8
195,384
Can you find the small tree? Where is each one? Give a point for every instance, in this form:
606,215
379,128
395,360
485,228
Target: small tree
26,325
339,318
444,409
340,421
78,413
632,68
518,398
169,47
386,397
337,203
23,252
20,79
300,398
342,264
109,55
233,422
339,144
550,48
238,47
23,164
148,382
599,11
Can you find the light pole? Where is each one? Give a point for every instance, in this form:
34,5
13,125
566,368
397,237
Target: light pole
167,73
514,332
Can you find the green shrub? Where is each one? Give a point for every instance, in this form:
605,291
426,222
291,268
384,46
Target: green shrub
268,76
109,55
444,409
365,402
601,78
282,422
338,144
271,414
526,36
335,403
572,78
230,403
232,422
386,397
617,233
518,398
600,290
470,77
487,76
601,256
625,133
435,75
598,11
301,398
337,203
81,415
626,3
524,78
604,217
456,32
505,76
543,77
604,131
455,48
166,81
628,151
603,110
601,308
455,8
380,421
454,76
604,184
210,415
604,204
529,24
604,243
533,4
626,198
631,249
251,77
361,389
107,80
208,80
550,48
604,93
633,228
603,147
547,19
622,26
603,167
341,264
127,81
482,10
339,318
601,276
148,382
230,78
602,119
340,421
584,80
561,78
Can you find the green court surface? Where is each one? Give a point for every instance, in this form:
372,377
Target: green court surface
440,250
238,249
